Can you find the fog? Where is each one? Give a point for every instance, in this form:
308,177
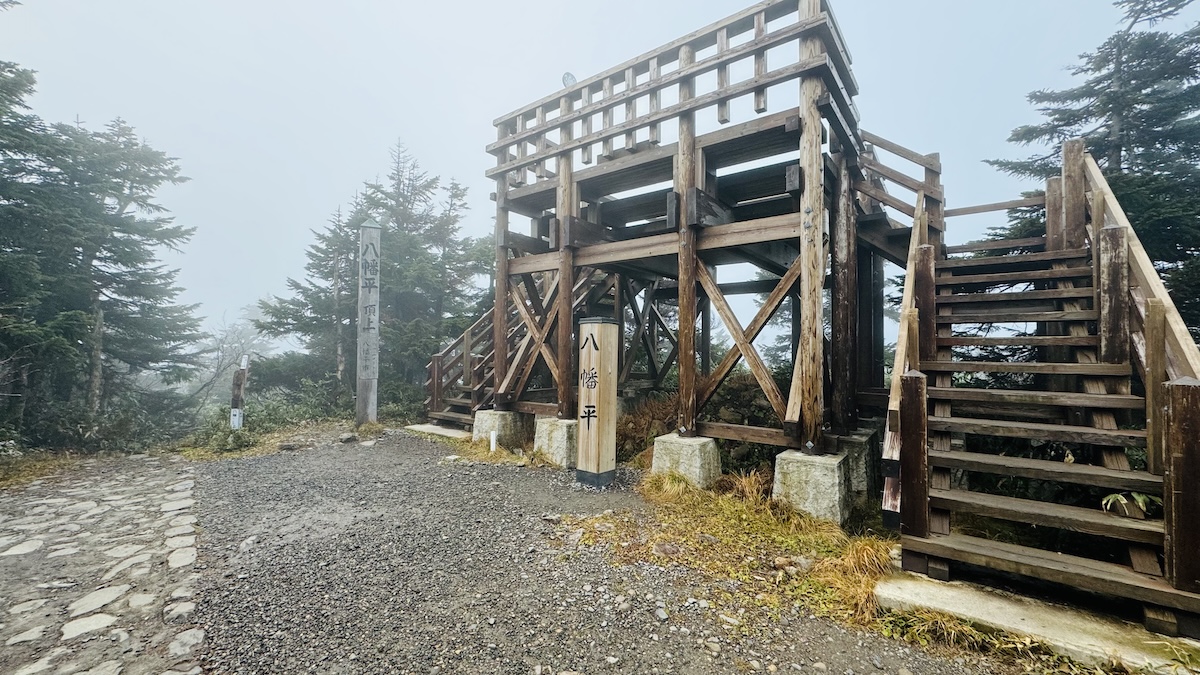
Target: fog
278,111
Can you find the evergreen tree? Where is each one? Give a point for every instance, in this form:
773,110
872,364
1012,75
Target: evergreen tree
86,308
427,276
1138,110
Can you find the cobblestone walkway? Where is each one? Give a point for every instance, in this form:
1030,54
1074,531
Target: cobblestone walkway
96,571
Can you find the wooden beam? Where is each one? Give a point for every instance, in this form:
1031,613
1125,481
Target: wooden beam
806,400
1038,200
844,303
913,156
884,197
1114,295
914,456
1155,375
1181,501
749,353
1074,198
686,180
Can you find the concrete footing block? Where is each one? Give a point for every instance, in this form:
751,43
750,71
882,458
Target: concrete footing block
816,484
555,440
1089,638
513,429
696,459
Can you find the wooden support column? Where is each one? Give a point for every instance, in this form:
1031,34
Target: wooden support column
914,455
1074,200
806,400
686,167
866,321
844,236
1155,331
1114,295
500,303
925,297
1181,496
566,209
1054,214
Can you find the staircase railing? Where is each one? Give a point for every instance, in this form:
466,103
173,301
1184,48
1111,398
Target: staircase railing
907,358
462,363
1168,361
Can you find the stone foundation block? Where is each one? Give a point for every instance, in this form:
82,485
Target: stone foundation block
696,459
816,484
555,440
513,429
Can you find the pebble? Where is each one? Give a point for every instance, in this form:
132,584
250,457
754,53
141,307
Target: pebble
661,614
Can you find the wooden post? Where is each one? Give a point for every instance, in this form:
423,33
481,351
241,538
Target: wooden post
367,392
685,183
1181,495
500,302
566,208
844,234
1054,214
1114,295
468,346
599,350
806,400
1155,331
925,297
1074,220
238,401
914,456
436,375
866,323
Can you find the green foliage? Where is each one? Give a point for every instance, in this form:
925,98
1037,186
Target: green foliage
91,335
428,291
1138,110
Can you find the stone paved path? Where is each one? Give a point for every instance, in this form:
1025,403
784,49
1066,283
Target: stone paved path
96,571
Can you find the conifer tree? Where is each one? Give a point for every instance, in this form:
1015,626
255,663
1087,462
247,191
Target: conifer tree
1138,110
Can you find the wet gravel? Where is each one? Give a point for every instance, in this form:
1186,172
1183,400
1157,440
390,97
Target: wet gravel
386,559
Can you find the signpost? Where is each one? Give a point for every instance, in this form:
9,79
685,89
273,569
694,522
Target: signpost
367,396
597,431
238,400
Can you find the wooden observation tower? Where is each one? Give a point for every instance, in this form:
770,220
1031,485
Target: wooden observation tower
731,162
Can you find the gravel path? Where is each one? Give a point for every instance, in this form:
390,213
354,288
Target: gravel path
385,559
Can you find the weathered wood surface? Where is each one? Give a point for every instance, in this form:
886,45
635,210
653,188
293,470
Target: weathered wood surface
686,169
914,458
1040,469
598,354
844,304
1072,571
998,206
1182,497
1078,519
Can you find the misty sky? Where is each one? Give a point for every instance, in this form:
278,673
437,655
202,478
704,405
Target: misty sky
278,111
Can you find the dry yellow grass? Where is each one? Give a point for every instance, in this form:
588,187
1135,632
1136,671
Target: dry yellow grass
737,538
266,444
33,465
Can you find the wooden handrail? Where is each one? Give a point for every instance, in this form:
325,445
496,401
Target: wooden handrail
1183,356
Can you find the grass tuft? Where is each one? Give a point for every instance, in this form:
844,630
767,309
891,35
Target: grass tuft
32,466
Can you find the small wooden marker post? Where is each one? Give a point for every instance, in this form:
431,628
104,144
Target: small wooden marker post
238,400
367,392
597,432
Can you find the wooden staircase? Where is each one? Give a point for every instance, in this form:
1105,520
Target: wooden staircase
1015,377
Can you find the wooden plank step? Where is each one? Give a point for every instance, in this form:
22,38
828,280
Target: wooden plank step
1022,296
460,418
1028,276
1014,261
1052,398
997,245
1097,369
1019,341
1119,438
1069,570
1078,474
1019,317
460,402
1049,514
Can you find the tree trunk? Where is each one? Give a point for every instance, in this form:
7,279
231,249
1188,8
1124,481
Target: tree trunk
96,378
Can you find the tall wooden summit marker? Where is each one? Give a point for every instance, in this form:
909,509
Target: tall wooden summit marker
597,431
367,396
